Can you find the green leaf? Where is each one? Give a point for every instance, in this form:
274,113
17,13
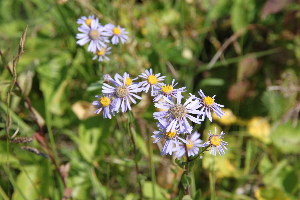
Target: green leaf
137,156
29,183
198,195
287,138
53,82
180,163
89,134
270,193
242,13
160,193
186,197
212,82
186,181
219,9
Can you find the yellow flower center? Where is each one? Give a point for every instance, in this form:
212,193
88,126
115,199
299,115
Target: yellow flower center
152,79
170,134
94,34
167,89
88,22
215,140
128,81
116,31
105,101
191,145
208,101
102,52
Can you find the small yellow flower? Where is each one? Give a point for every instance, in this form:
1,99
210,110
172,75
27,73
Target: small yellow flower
260,128
228,117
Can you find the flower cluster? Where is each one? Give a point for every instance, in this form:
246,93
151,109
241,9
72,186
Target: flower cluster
99,36
175,115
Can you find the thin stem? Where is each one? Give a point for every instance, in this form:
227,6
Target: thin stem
212,183
186,167
13,72
153,178
130,117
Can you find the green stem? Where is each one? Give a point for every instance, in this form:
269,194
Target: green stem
212,183
153,177
130,117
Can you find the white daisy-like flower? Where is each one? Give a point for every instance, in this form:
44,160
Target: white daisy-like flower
86,20
151,81
209,105
117,33
94,34
176,114
166,91
172,138
101,54
192,148
124,92
106,105
216,143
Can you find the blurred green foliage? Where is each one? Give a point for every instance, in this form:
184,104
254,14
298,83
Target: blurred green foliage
246,52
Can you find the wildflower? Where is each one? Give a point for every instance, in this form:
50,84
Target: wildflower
166,91
101,54
128,80
86,20
152,80
171,138
117,33
227,119
94,34
193,146
216,143
124,91
106,104
209,105
177,113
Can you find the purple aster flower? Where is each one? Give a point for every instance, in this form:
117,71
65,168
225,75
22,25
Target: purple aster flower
152,80
216,143
105,104
166,91
177,113
127,78
172,138
117,33
209,105
94,34
124,91
86,20
101,54
192,147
